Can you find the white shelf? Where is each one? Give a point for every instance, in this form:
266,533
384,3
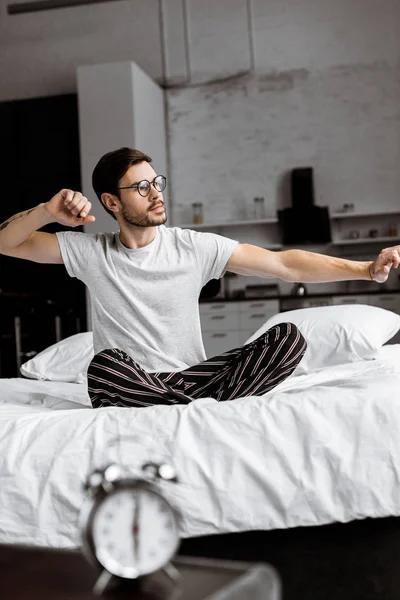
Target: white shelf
348,215
271,220
228,224
368,240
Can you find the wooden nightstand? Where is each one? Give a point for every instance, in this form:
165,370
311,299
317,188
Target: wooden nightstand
28,573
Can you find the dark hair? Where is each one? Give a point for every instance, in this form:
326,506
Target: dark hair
111,168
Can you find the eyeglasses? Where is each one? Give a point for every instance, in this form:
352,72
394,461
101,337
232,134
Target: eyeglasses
143,187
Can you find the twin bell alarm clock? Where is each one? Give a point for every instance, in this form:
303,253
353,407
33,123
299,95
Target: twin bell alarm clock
129,529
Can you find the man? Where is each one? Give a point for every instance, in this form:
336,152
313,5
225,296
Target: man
145,280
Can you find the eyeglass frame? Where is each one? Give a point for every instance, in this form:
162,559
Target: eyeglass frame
151,183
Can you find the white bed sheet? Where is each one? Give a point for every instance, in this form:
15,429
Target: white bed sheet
319,448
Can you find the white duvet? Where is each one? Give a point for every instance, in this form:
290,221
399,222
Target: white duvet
319,448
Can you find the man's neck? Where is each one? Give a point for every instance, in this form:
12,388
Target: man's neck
137,237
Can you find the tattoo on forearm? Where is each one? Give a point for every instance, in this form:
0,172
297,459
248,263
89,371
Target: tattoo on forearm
15,217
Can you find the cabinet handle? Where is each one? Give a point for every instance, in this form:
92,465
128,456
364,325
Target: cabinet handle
257,316
217,317
218,335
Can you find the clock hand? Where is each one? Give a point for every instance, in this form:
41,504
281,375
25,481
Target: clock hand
136,529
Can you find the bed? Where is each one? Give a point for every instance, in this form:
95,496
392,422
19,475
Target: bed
306,477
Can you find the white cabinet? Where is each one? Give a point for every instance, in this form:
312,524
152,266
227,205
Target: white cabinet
227,325
253,315
390,302
218,342
219,326
295,303
353,299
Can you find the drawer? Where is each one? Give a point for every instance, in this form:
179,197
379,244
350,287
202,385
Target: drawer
217,308
304,302
270,306
388,301
218,342
354,299
252,321
312,302
220,321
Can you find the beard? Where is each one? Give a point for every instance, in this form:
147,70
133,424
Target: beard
144,219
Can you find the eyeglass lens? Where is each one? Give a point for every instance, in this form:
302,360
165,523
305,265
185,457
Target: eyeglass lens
159,183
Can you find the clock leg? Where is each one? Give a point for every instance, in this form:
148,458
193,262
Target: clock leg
103,583
172,573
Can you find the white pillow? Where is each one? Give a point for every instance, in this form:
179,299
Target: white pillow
67,360
338,334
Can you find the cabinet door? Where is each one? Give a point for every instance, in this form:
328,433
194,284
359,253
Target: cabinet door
388,301
254,314
218,342
354,299
249,323
305,302
223,321
260,305
217,308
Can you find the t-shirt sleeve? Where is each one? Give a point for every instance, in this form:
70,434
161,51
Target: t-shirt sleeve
213,252
76,251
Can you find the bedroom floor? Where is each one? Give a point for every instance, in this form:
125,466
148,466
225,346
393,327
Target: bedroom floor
359,560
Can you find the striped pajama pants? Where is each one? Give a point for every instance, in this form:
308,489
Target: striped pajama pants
115,379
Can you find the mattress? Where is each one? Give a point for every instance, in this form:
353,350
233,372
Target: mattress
319,448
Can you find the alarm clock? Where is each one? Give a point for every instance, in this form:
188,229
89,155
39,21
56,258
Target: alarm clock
129,529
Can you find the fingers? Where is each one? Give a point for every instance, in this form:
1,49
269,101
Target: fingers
396,258
89,219
76,203
390,256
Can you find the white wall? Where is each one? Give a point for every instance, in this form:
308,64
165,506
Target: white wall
272,85
39,52
235,140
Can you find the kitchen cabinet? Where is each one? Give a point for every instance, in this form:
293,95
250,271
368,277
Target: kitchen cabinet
227,325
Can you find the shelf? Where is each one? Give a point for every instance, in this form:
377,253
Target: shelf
348,215
272,220
228,224
368,240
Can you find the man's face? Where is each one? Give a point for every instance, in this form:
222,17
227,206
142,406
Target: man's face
137,210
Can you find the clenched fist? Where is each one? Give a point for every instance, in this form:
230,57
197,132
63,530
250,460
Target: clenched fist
70,208
380,268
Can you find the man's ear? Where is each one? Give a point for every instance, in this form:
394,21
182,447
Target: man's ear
111,202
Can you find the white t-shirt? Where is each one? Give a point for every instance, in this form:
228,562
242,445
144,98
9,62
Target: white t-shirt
145,300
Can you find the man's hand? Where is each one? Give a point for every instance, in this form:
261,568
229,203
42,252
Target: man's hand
380,268
70,208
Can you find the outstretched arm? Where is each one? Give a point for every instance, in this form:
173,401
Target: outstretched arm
19,236
310,267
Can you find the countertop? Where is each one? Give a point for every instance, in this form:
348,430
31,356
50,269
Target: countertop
378,292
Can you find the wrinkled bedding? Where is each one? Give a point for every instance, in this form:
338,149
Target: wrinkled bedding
319,448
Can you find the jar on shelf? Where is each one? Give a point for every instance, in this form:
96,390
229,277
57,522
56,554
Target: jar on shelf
259,208
197,213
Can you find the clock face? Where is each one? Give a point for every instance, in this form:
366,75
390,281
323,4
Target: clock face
135,532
